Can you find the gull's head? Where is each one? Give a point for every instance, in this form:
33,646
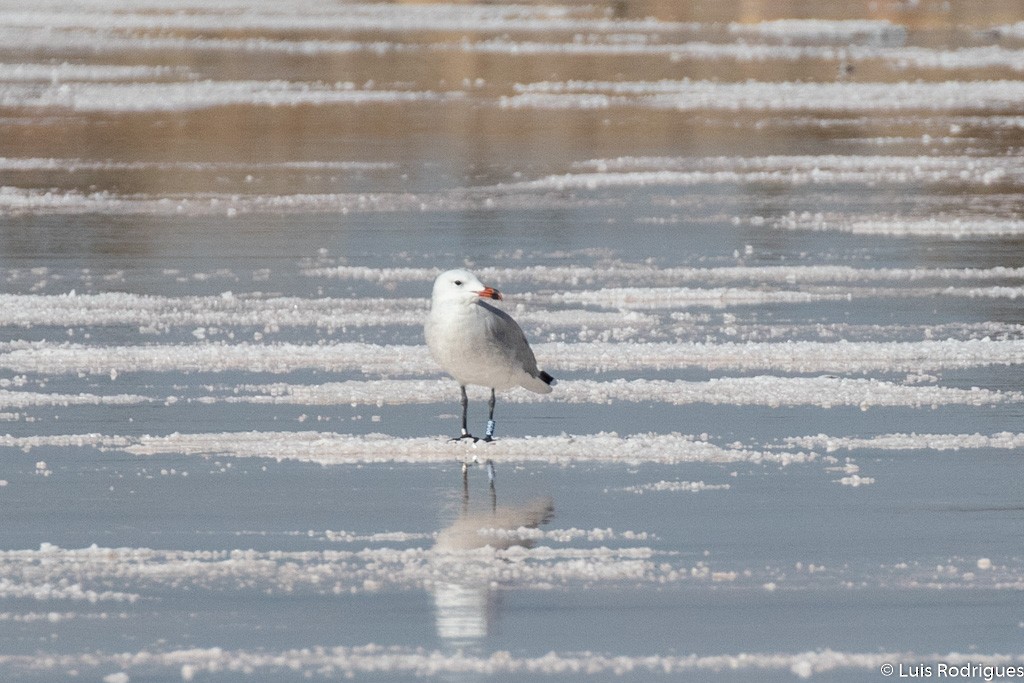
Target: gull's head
461,286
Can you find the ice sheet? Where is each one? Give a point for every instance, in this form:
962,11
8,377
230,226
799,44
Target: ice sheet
787,96
772,259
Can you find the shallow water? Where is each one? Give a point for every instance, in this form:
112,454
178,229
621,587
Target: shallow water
772,254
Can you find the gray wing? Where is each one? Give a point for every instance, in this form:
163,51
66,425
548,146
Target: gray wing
508,337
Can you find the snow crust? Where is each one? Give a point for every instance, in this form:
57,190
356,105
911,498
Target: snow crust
618,272
74,165
84,72
374,659
764,96
413,360
191,95
901,226
827,335
742,51
822,169
675,487
307,17
329,448
911,441
590,175
761,390
680,297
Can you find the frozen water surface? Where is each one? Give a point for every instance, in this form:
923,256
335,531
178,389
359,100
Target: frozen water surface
773,257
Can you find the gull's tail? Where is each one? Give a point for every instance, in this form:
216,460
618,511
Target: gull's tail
540,383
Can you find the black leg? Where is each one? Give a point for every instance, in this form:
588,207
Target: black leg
465,409
489,434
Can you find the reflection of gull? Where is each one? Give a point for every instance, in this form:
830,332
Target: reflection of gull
465,601
477,530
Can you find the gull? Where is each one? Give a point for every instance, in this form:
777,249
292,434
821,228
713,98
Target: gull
478,343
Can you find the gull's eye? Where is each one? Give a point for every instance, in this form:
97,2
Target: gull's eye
458,283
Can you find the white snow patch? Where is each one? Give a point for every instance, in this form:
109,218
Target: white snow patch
761,96
675,486
375,660
73,165
683,297
171,96
413,360
56,73
824,169
911,441
619,273
30,399
743,51
839,30
762,390
900,226
329,448
296,17
855,480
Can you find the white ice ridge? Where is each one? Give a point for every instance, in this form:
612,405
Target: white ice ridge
85,72
28,399
761,96
291,17
911,441
469,553
768,391
1014,31
329,448
484,535
16,200
637,274
825,171
678,298
822,30
413,360
160,313
72,165
745,51
373,660
900,226
175,96
19,200
37,39
156,314
675,487
43,573
647,298
71,39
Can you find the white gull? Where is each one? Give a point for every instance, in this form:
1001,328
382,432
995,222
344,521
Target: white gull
477,343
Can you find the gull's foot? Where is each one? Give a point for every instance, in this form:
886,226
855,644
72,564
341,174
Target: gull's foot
464,437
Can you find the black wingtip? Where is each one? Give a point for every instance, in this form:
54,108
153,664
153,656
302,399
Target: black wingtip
546,378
